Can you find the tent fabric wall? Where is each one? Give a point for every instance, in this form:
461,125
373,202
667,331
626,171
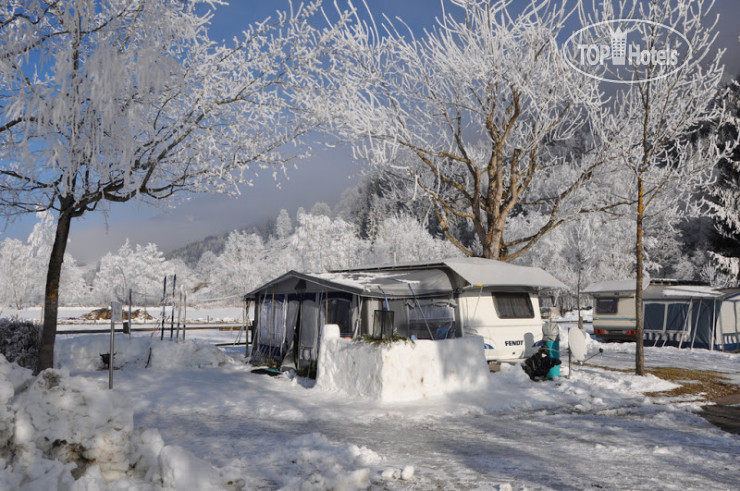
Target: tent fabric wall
288,326
308,340
288,331
270,334
684,322
728,332
704,323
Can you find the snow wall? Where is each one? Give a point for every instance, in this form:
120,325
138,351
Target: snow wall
400,371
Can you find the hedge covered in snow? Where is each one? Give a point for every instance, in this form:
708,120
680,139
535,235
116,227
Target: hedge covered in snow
19,342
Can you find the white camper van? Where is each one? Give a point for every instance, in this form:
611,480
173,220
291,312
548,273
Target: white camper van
434,300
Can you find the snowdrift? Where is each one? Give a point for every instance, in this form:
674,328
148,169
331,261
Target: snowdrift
402,370
64,432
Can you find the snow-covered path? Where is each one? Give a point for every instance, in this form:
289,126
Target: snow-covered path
592,431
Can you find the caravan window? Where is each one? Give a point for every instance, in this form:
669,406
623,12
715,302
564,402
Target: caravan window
511,305
654,317
607,305
437,320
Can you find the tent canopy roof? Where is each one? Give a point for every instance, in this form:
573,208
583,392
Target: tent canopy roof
417,279
401,284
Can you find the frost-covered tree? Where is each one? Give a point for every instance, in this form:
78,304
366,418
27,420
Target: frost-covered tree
321,243
403,239
112,100
724,197
16,263
283,224
139,268
24,264
482,112
652,119
385,192
239,268
321,208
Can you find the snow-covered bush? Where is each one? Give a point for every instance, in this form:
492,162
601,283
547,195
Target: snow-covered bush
19,342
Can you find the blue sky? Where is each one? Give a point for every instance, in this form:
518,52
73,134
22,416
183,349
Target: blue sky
322,177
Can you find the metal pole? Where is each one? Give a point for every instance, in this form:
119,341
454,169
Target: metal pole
246,328
179,315
110,355
185,313
164,306
569,351
172,318
130,319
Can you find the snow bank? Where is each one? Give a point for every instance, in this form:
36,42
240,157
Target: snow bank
400,371
83,353
54,427
63,432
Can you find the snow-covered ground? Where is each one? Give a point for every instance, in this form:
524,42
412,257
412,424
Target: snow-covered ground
201,419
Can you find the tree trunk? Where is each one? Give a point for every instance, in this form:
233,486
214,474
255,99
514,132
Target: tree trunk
578,294
491,243
51,295
639,355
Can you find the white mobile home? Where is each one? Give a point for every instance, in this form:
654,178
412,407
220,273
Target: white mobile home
434,300
678,313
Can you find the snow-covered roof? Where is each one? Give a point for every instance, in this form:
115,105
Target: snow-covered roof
372,284
420,279
660,288
691,291
477,271
610,286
